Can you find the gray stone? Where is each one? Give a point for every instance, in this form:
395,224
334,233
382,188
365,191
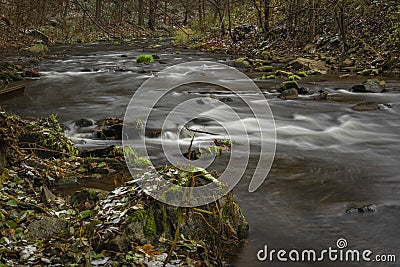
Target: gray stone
307,64
365,106
288,94
47,227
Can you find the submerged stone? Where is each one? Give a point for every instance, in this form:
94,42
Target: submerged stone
365,106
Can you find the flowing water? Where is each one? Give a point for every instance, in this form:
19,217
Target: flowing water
329,158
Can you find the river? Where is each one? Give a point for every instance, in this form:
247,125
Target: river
329,158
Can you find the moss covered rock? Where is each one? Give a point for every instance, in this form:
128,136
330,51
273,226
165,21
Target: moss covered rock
35,50
243,62
289,94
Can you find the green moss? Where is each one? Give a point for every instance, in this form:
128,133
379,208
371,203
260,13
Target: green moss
142,162
302,74
268,77
369,72
150,229
293,78
144,59
288,85
39,49
137,216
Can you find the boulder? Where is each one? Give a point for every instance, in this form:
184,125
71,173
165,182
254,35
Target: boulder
365,106
289,94
369,86
287,85
307,64
242,62
36,49
84,123
135,219
292,84
30,73
47,227
363,209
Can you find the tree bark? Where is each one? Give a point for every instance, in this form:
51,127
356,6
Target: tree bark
152,15
98,8
141,13
266,15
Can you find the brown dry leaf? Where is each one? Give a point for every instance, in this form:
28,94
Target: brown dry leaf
148,249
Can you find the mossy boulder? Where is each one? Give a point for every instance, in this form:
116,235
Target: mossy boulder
243,62
288,85
35,50
9,72
144,59
47,227
131,217
365,106
369,86
307,64
289,94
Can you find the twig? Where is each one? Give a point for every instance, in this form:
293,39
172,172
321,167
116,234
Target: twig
208,224
199,131
176,236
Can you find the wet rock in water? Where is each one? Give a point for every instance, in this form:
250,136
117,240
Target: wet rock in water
86,70
303,91
292,85
242,63
363,209
289,94
366,106
307,64
226,99
84,123
36,50
47,227
111,129
288,85
323,95
30,73
369,86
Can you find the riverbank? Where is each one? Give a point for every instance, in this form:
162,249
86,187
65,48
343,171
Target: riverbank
94,227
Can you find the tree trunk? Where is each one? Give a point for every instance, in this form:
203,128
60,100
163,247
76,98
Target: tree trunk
152,14
266,15
259,16
98,8
141,13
